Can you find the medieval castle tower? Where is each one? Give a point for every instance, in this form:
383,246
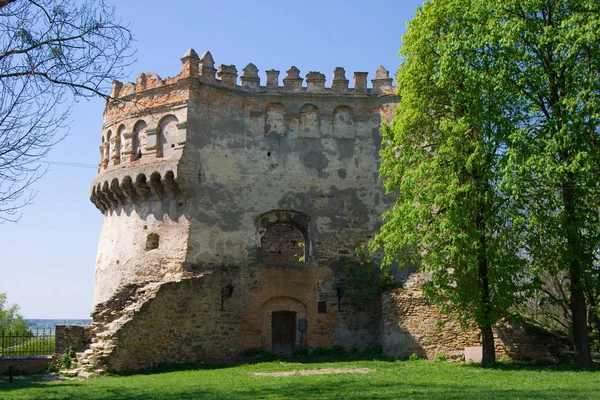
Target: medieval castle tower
228,205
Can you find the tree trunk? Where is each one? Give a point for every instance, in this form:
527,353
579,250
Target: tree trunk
578,309
487,336
577,302
487,344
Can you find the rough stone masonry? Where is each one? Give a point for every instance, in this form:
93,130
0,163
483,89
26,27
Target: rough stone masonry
227,208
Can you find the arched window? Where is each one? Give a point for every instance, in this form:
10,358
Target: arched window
107,146
282,243
119,143
284,238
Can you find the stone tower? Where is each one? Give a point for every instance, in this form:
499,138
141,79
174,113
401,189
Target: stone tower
227,206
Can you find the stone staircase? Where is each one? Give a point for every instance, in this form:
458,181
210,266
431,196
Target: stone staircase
108,318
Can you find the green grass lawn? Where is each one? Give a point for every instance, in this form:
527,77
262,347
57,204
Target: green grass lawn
389,380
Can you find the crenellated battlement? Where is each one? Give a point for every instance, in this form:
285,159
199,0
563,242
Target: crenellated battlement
203,69
146,123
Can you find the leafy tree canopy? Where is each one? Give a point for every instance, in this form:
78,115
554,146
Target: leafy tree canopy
10,319
494,152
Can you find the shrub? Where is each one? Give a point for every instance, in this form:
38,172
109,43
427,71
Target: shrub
64,361
440,357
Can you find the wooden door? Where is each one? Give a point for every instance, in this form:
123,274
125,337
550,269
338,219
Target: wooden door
283,329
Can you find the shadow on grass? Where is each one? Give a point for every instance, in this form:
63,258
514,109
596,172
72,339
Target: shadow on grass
546,367
325,357
297,387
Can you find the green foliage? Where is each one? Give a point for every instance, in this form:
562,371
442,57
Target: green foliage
10,319
548,53
301,246
301,352
413,357
331,351
440,357
504,360
443,154
365,278
64,361
28,345
256,352
495,153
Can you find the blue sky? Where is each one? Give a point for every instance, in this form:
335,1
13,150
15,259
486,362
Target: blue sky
48,257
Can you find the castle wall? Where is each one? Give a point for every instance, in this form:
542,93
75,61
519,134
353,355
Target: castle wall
124,256
141,146
246,170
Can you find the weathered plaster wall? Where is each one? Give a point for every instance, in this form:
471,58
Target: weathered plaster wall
122,256
247,170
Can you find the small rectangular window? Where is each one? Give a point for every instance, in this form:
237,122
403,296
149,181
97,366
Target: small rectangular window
322,307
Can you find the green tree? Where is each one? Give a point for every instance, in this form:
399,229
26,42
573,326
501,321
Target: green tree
549,53
443,154
10,319
499,123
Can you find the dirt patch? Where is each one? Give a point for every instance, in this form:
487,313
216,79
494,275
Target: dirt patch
324,371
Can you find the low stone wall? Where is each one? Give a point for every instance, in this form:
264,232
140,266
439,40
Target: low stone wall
410,325
21,365
525,342
75,336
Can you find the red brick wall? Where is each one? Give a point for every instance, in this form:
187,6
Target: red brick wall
25,365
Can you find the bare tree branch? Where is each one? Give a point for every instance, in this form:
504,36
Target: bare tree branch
51,52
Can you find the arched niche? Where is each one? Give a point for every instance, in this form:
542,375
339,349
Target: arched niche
107,146
138,141
168,137
284,238
343,123
103,151
275,120
309,121
119,144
